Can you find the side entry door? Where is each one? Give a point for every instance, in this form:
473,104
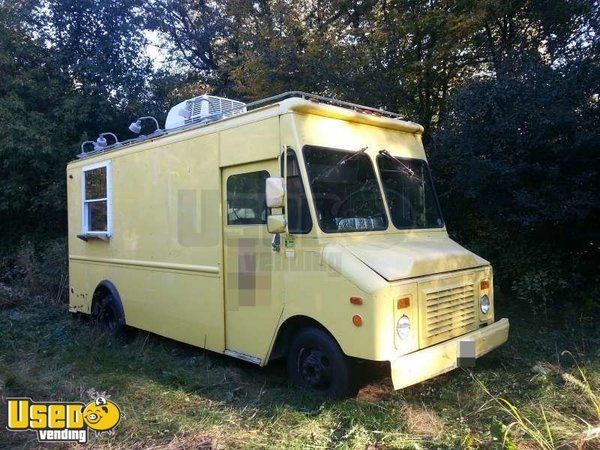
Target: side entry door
253,292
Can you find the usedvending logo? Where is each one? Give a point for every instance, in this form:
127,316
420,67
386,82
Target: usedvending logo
62,421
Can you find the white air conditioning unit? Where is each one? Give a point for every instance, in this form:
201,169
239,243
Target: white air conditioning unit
205,108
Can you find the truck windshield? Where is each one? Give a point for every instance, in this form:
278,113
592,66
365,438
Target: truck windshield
345,190
409,192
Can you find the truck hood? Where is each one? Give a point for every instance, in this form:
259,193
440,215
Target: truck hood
396,257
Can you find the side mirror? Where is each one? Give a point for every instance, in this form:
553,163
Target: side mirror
276,223
275,192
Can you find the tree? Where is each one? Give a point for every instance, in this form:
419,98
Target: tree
44,118
518,164
99,45
405,55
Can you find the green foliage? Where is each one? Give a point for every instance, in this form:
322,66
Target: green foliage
45,115
35,271
32,103
98,45
518,156
507,92
406,55
529,142
539,433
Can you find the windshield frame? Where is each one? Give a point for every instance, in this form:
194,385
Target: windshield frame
429,181
376,179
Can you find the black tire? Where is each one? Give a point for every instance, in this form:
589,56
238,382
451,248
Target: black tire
316,362
107,315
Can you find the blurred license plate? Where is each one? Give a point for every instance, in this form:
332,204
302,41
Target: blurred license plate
466,354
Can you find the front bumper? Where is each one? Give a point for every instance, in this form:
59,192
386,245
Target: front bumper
441,358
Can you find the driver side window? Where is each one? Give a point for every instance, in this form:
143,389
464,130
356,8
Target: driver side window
246,202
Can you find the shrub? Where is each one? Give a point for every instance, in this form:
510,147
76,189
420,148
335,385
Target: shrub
36,272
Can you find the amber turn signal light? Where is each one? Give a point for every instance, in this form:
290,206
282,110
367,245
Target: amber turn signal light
357,320
403,302
485,284
356,300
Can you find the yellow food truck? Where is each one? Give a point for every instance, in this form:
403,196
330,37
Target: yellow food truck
296,227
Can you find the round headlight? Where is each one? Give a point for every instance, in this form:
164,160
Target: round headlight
403,327
484,304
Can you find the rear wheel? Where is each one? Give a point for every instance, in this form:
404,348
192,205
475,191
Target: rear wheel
106,314
316,362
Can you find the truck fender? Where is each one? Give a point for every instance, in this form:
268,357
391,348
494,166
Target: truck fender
107,287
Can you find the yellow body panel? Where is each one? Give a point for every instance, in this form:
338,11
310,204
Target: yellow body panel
182,272
166,267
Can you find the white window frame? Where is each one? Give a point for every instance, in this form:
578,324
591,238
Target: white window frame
84,208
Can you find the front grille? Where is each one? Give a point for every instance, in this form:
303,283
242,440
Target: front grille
449,311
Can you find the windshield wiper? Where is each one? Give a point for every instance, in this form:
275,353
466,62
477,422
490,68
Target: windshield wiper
407,170
343,161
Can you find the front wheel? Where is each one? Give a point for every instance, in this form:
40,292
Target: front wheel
316,362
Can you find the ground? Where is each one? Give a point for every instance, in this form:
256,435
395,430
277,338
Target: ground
175,396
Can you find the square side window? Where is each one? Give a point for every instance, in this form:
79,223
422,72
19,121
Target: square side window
96,200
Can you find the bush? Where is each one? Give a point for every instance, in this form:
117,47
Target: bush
36,272
517,164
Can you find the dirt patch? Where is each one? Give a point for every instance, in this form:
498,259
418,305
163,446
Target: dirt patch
423,422
375,392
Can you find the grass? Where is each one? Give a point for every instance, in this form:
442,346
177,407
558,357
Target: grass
175,396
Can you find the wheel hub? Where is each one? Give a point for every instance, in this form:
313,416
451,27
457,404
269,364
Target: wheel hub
314,367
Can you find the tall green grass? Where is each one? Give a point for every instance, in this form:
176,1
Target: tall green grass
541,429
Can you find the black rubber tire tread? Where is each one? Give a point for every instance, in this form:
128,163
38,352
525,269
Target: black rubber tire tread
343,382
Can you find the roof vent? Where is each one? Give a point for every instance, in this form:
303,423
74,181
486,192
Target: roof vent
202,109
